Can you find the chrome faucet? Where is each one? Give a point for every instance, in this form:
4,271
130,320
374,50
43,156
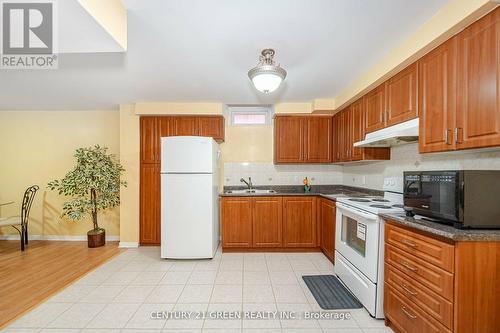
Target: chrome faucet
249,183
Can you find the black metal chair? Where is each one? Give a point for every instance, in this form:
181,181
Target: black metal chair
20,223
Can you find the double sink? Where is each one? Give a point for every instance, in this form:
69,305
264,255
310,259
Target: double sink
250,191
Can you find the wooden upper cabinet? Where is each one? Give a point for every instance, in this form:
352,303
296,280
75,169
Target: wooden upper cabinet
357,128
375,112
236,222
185,125
289,139
402,96
437,98
299,222
318,139
327,219
149,208
345,138
149,144
336,138
303,139
212,126
165,126
267,217
478,106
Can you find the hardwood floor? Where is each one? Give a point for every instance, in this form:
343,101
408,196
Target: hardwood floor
28,278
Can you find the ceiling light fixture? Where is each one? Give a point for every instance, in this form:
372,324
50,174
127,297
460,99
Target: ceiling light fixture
267,76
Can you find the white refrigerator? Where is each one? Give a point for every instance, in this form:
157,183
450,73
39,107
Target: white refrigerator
189,197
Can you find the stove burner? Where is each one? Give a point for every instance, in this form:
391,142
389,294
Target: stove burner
380,206
359,200
380,200
398,206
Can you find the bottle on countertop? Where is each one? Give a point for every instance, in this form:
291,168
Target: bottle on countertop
307,185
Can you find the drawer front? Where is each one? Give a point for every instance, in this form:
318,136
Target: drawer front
429,249
407,317
434,278
439,308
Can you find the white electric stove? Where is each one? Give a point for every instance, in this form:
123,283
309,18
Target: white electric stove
359,243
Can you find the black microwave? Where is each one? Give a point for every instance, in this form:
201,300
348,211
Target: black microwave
464,198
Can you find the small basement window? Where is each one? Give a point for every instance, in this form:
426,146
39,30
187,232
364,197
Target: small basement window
249,115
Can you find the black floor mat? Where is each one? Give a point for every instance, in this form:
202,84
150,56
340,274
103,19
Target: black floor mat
330,293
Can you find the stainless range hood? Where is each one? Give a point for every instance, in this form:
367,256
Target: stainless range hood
399,134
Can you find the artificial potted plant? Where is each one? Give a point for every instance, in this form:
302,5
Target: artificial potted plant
94,184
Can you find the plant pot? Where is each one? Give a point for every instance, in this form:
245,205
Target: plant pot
96,237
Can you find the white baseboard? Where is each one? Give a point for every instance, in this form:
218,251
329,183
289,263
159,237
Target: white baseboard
128,244
79,238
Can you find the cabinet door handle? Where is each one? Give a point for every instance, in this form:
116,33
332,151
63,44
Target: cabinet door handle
457,129
407,313
447,136
408,266
408,243
408,290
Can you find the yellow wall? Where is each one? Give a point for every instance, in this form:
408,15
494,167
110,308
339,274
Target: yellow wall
453,17
129,158
178,108
293,108
248,144
38,146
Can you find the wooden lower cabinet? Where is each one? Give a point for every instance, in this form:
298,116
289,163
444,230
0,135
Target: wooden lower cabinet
327,221
437,285
270,223
236,222
406,317
299,222
149,208
267,217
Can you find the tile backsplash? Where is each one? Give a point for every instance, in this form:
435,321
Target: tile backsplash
270,174
365,174
407,158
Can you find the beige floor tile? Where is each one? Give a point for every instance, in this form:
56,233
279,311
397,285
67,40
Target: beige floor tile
255,265
183,266
258,294
102,294
175,278
78,316
226,293
121,278
72,294
256,278
148,278
41,316
114,316
229,277
165,294
196,294
231,265
133,294
202,277
289,294
283,277
143,316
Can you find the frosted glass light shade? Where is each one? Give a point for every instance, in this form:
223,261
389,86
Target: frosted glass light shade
266,82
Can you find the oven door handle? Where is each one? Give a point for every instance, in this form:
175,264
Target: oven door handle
372,217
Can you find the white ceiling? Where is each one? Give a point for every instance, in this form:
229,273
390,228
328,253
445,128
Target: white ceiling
201,50
74,21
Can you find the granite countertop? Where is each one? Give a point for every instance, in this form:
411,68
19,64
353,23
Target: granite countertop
443,230
326,191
